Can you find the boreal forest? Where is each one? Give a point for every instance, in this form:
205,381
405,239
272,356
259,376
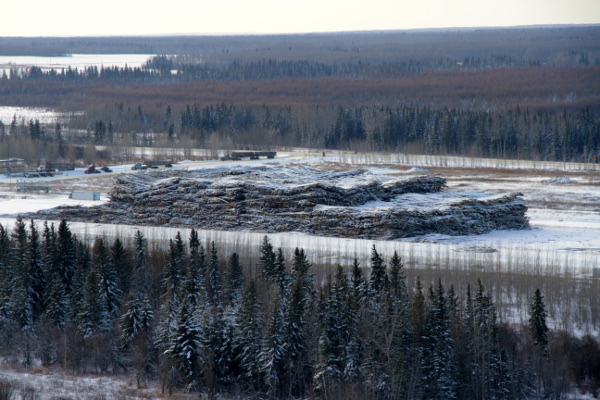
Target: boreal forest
526,93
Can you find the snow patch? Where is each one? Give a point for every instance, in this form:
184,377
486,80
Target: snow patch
560,180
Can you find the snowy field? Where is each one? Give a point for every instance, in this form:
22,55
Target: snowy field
75,61
564,214
47,384
45,116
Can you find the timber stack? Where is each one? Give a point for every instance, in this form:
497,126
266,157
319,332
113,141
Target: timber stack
356,203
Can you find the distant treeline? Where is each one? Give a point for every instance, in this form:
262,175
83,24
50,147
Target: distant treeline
193,318
163,69
522,93
552,45
514,133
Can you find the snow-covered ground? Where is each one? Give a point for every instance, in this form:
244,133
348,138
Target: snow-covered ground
564,215
51,384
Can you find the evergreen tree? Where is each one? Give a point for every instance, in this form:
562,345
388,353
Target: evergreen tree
537,321
109,292
214,276
334,340
137,318
418,320
249,335
397,278
439,373
186,347
379,278
173,274
49,247
5,274
19,250
273,353
20,303
36,272
234,280
359,284
67,259
92,317
57,301
193,285
280,274
120,264
295,321
356,303
197,256
267,260
84,264
141,281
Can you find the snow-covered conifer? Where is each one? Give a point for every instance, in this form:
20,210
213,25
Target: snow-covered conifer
214,276
66,255
379,277
186,347
273,353
234,279
249,334
36,271
266,263
109,292
119,259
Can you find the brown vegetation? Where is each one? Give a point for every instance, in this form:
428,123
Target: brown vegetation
548,88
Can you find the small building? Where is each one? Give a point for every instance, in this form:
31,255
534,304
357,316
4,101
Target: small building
12,166
85,196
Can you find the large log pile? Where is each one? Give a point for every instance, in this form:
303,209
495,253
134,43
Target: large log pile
353,203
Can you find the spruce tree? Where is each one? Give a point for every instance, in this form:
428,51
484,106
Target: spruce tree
397,279
537,321
266,263
20,303
119,259
5,274
214,276
186,347
173,273
334,340
66,255
197,258
379,278
295,321
92,316
84,264
281,275
439,371
136,319
234,279
249,326
273,353
36,272
141,280
193,285
109,292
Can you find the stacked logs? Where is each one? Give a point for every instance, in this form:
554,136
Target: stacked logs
354,203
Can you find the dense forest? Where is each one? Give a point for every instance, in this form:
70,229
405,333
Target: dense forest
551,45
520,134
529,93
197,320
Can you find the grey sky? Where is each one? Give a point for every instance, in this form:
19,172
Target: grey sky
135,17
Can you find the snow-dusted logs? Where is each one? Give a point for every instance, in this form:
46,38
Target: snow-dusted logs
354,203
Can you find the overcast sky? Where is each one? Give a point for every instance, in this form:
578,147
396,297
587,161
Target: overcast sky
145,17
